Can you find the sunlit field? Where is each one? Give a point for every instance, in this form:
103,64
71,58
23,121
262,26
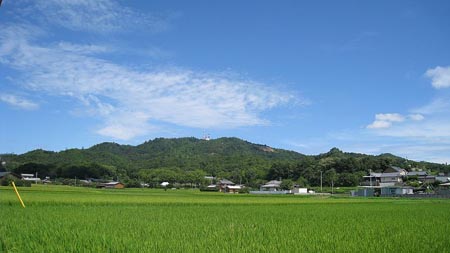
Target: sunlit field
69,219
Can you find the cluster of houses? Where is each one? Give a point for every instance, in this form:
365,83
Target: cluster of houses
274,187
34,179
271,187
391,182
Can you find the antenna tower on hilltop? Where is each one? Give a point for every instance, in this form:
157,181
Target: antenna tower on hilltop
206,136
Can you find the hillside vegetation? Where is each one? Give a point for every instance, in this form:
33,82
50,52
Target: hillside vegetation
189,159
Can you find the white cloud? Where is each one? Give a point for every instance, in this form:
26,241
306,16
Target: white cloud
18,102
92,15
384,120
440,77
389,117
132,102
377,124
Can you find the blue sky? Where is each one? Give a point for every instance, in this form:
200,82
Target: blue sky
369,77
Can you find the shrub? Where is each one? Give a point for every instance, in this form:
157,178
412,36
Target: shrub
6,181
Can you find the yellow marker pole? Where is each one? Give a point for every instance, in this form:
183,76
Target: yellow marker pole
17,193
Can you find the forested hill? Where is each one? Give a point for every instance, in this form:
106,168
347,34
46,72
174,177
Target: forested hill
227,157
184,153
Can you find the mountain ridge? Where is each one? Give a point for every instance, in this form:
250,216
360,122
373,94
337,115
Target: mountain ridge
226,156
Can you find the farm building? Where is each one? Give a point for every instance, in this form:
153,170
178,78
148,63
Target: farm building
298,190
211,187
385,191
396,190
111,185
444,189
364,192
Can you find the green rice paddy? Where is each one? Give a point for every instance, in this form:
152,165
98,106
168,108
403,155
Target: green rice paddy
69,219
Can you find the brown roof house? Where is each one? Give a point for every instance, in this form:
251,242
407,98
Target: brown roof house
111,185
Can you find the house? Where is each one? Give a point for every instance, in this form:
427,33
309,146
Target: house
273,185
422,176
383,179
223,183
10,175
111,185
389,177
233,188
30,177
441,177
417,173
395,169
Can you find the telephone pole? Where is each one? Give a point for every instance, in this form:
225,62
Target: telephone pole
321,182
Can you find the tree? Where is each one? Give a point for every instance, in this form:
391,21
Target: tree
330,176
197,177
348,179
287,184
302,182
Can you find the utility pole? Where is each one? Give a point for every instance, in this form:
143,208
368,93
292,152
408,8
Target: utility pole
321,182
332,186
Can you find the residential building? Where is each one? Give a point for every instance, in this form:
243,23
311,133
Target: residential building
223,183
273,185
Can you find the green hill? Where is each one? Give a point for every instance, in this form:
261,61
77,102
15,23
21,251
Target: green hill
226,157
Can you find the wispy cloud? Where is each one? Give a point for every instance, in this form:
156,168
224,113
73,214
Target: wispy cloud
18,102
440,77
82,49
437,105
102,16
416,117
132,102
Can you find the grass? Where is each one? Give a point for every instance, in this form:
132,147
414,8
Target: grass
69,219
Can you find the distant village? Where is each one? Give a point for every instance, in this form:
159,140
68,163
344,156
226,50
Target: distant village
392,182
